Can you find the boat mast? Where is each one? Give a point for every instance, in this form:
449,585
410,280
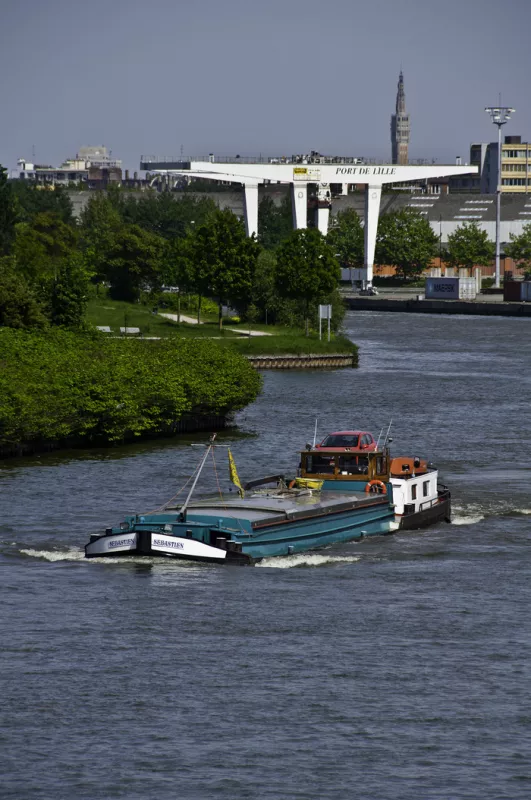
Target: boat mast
182,513
315,433
387,435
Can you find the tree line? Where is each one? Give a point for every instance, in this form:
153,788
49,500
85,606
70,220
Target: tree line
406,241
136,245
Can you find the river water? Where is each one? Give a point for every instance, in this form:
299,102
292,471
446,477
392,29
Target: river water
396,668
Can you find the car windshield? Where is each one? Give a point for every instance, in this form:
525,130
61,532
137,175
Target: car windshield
340,440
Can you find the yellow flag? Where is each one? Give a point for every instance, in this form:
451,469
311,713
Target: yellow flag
233,472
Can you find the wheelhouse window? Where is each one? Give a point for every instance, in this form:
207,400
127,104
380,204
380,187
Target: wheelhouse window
414,491
381,465
425,488
317,464
353,465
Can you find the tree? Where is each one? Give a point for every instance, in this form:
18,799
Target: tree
306,269
223,260
405,241
264,293
347,239
519,248
68,294
32,200
7,213
164,214
275,223
177,267
469,247
19,308
100,222
40,247
134,262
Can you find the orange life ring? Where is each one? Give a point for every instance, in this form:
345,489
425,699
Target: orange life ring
376,487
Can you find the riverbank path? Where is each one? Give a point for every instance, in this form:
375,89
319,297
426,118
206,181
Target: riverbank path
193,321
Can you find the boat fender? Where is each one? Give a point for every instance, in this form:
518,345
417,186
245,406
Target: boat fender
376,487
291,484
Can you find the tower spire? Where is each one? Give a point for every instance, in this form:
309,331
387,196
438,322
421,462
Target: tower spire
400,127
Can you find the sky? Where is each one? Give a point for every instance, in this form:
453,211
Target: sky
250,77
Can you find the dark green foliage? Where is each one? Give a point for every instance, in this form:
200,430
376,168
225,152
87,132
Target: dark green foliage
60,386
7,213
306,270
223,259
405,241
32,200
519,248
42,244
264,295
164,215
468,246
275,223
346,239
68,294
19,308
100,222
134,261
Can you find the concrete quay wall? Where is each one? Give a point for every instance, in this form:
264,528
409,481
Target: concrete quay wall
475,307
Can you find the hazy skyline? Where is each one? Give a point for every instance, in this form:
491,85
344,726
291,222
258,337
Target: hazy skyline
245,77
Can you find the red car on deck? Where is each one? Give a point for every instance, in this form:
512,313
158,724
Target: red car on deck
357,441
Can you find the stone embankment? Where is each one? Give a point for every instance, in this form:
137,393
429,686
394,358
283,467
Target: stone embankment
316,361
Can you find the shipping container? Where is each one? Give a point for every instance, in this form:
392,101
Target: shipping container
467,288
442,288
450,288
512,291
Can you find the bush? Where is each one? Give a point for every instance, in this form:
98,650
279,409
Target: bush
78,388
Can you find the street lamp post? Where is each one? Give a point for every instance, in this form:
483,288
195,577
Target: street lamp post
499,115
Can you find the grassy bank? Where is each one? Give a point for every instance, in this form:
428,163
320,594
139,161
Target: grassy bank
279,339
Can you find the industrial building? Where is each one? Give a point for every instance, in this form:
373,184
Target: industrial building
515,168
92,166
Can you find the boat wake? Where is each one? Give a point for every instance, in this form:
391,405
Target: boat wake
472,514
55,555
79,555
305,560
466,519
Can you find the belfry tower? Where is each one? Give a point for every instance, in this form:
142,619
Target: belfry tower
400,126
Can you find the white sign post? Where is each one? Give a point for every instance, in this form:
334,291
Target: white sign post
325,312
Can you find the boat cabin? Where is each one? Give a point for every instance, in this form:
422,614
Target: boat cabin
343,465
415,485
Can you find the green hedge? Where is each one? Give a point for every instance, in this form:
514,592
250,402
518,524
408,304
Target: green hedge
62,387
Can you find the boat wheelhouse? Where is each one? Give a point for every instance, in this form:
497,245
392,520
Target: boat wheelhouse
419,499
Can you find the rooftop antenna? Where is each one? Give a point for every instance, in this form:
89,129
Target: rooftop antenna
182,151
33,153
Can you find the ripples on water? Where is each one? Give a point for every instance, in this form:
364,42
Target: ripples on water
390,669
